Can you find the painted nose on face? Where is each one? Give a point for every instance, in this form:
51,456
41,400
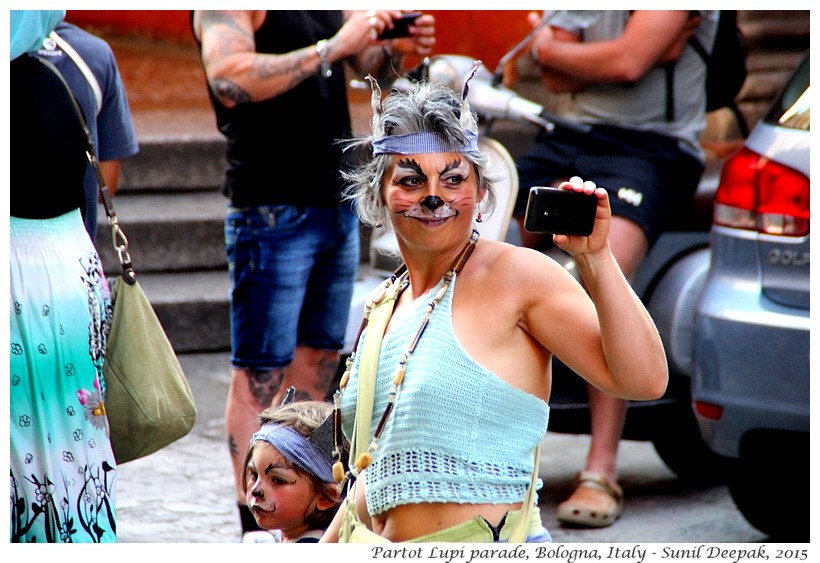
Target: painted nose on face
257,492
432,202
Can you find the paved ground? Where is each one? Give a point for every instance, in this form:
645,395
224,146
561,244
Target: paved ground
183,493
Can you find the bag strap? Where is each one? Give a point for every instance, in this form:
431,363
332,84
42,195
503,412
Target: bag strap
521,528
118,238
72,53
369,365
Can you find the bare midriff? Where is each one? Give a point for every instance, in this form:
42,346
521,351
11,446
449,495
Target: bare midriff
411,521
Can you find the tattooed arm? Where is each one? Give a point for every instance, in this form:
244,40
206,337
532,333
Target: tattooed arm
236,73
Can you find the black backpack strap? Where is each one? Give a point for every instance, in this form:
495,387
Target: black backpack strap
699,49
669,68
670,75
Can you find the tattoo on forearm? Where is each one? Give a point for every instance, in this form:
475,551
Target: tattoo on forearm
227,90
232,447
226,36
293,68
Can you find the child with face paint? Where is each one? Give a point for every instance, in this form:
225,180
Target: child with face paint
457,344
289,486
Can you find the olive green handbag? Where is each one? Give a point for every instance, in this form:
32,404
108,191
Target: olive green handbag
147,397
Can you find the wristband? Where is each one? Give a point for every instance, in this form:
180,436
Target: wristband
324,66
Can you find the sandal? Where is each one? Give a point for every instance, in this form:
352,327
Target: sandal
596,502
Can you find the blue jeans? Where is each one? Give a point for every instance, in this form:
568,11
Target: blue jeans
292,270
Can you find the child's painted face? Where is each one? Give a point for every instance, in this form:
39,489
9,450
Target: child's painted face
278,495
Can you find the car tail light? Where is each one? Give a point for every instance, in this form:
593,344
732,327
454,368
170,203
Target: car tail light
708,410
758,194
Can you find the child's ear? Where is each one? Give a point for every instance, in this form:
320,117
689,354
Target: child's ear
328,497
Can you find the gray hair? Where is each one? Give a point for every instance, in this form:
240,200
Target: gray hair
430,107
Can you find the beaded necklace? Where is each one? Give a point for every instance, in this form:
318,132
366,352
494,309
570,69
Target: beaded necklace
401,278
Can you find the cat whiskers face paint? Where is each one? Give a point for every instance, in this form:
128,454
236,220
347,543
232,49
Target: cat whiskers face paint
425,210
446,182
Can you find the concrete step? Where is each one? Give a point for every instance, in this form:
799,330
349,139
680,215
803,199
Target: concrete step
180,162
193,308
180,149
167,232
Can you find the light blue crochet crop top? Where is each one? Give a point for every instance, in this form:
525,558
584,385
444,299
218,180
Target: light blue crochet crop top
458,432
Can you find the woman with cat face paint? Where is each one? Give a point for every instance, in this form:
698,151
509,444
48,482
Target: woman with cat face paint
464,335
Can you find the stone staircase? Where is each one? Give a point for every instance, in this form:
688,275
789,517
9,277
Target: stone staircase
171,208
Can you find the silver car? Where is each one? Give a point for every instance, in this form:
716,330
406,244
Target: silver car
751,341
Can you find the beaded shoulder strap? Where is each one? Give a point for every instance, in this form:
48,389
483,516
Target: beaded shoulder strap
379,315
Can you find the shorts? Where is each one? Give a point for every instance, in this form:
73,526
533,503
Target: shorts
647,175
292,271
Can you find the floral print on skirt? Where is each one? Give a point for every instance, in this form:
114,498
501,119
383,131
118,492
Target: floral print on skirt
63,471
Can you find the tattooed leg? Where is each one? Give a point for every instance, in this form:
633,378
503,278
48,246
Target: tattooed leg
312,372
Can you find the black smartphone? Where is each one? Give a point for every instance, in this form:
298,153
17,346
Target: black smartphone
560,212
400,26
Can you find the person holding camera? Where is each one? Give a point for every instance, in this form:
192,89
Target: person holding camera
456,351
642,147
276,80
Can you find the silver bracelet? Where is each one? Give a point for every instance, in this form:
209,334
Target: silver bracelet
321,50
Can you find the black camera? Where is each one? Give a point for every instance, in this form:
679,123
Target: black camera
561,212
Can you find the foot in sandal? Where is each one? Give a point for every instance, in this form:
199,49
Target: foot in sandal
595,503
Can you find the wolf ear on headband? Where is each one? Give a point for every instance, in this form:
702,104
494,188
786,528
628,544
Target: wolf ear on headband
290,395
468,121
424,141
322,437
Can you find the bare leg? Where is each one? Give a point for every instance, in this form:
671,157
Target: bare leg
311,372
250,392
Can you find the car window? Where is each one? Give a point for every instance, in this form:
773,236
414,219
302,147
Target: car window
792,108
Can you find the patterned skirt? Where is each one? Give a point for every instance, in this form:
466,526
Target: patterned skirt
63,471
